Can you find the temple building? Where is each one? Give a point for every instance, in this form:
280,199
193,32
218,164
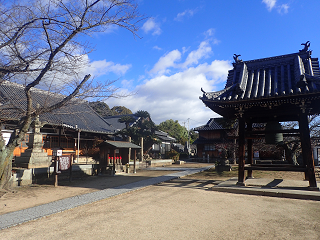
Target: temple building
271,90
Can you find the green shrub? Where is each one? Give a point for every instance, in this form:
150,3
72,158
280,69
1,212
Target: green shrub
174,155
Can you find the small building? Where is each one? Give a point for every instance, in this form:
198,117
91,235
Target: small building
165,143
165,140
213,139
115,154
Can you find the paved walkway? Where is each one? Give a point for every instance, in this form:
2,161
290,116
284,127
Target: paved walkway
14,218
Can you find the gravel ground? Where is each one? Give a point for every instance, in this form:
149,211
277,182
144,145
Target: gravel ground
184,208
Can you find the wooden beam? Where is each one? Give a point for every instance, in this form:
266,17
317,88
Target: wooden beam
273,131
276,168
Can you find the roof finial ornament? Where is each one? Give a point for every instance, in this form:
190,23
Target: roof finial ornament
236,58
306,46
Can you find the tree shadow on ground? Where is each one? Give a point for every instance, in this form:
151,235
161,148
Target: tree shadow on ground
191,183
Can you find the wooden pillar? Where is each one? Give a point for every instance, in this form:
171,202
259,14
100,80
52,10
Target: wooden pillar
141,145
250,149
306,149
129,153
114,162
134,161
56,169
242,142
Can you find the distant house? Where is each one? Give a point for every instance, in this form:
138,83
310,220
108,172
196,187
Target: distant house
213,138
166,143
178,147
160,148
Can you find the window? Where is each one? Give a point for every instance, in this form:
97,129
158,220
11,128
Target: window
209,147
25,141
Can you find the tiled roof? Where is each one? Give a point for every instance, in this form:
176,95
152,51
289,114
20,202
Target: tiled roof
76,112
165,136
114,121
121,144
274,77
211,125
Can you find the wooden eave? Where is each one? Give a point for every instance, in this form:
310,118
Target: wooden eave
283,107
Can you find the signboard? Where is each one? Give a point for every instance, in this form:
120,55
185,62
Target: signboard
6,137
57,152
64,162
61,163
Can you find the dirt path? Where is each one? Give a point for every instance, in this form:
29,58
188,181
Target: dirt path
181,209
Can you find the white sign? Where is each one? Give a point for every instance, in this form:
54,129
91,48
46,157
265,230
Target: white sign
57,152
6,137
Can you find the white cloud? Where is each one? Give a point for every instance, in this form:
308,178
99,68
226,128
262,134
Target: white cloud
210,32
188,12
177,96
170,60
203,51
152,26
128,84
283,9
270,4
157,48
165,62
169,94
102,67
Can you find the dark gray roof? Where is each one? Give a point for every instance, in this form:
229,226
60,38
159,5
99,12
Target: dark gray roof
163,136
76,112
267,78
211,125
114,121
120,144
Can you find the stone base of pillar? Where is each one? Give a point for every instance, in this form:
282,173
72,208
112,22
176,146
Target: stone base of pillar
240,184
32,158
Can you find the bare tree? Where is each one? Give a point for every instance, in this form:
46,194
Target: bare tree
43,44
292,144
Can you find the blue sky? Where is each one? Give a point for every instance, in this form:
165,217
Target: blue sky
187,44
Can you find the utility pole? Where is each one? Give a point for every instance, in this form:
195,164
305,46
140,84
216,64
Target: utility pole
188,146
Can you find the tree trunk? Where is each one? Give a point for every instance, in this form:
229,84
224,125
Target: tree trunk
6,153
